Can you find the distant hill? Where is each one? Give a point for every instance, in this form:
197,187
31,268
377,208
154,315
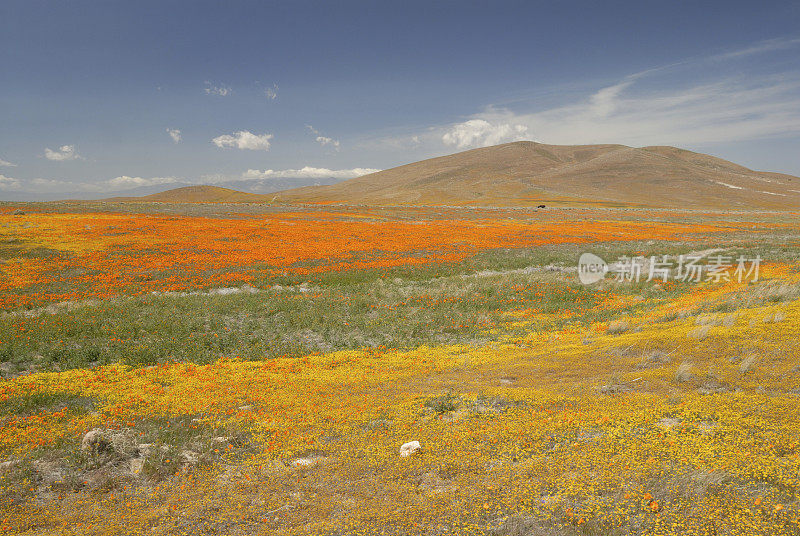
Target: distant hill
529,174
197,194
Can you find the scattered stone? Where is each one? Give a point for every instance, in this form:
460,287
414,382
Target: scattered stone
245,408
407,449
136,465
189,457
96,442
8,465
49,472
306,461
18,212
221,440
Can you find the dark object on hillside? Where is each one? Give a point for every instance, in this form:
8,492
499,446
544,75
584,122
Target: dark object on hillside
541,206
18,212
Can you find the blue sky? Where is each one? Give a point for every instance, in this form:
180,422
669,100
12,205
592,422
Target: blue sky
105,96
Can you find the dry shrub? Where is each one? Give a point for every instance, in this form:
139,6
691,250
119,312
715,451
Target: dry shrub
747,364
684,372
618,326
699,333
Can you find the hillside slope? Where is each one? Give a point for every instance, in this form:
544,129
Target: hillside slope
528,173
197,194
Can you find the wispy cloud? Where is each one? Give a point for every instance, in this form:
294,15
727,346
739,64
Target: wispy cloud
308,172
9,183
244,139
64,153
678,104
323,140
175,134
6,163
729,110
217,90
769,45
51,186
271,92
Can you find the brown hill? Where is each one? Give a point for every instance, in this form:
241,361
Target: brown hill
197,194
528,173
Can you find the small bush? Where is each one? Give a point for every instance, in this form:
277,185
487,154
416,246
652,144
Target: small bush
444,403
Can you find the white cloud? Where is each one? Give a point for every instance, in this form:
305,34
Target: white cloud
324,140
125,182
724,111
604,102
308,172
271,92
482,133
9,183
65,152
244,140
219,91
175,134
6,163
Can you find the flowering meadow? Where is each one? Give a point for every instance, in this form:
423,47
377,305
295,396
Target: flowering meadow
258,372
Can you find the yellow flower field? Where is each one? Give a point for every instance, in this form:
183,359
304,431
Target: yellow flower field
670,411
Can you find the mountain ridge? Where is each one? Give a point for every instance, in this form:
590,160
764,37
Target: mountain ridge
529,174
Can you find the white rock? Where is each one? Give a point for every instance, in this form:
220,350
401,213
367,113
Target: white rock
190,457
136,465
298,462
96,442
409,448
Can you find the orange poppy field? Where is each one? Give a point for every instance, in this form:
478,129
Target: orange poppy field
265,370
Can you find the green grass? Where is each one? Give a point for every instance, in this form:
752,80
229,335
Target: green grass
396,308
31,403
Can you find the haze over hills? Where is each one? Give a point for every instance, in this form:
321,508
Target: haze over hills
530,174
198,194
